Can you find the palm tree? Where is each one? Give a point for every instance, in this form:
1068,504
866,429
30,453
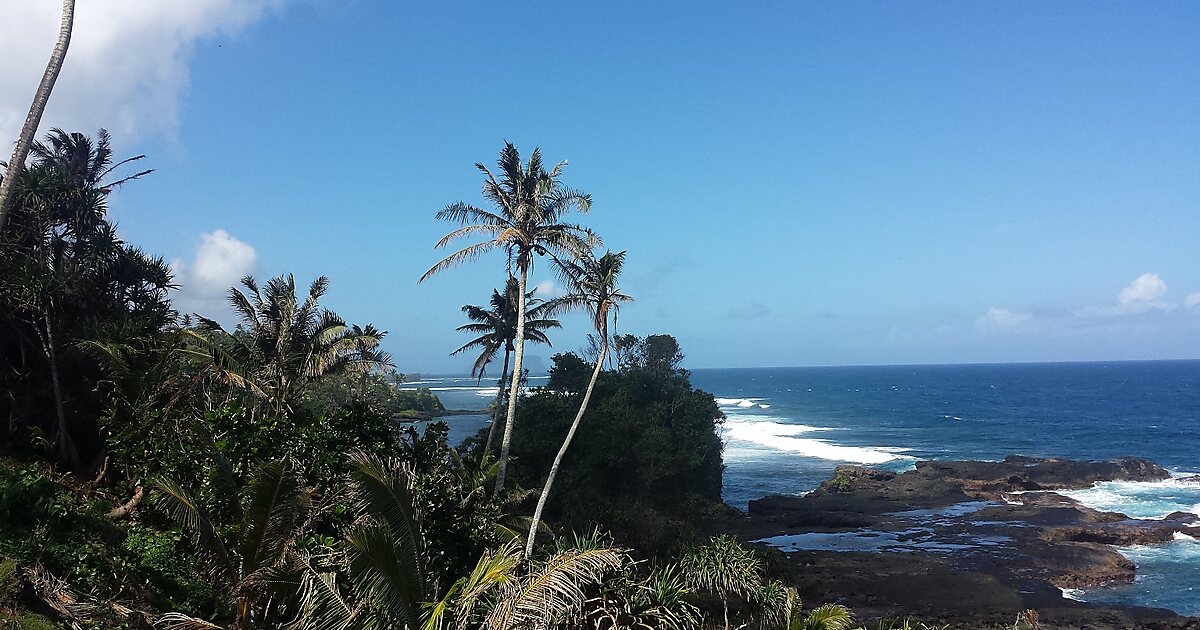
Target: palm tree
283,343
34,118
530,203
593,286
256,566
498,329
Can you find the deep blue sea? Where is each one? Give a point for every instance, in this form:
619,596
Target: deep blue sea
786,429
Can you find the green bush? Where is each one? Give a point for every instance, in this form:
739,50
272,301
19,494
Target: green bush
9,581
646,460
29,621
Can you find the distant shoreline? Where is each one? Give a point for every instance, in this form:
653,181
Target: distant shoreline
416,416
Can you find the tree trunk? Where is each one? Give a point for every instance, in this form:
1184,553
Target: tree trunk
66,446
514,392
499,401
562,451
29,129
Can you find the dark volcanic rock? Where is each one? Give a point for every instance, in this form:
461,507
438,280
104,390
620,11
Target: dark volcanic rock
1030,473
980,541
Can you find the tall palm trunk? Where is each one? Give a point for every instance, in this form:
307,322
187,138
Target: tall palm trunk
29,129
562,451
66,446
514,391
499,401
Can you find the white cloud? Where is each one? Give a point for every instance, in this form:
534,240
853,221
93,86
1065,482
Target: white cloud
219,264
1192,301
1143,294
547,290
127,65
1002,319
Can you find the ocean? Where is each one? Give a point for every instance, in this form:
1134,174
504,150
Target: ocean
786,429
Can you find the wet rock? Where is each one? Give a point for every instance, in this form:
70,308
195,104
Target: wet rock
966,543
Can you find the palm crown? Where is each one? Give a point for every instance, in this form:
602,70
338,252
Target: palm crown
283,343
497,326
593,286
529,205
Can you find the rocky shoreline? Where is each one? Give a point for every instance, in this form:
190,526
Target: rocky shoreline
966,543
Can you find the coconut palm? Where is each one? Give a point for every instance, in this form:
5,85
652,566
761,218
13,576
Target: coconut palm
256,566
283,343
593,286
34,118
497,328
530,203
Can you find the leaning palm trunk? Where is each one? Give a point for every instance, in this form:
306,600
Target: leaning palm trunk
514,390
29,129
491,439
562,451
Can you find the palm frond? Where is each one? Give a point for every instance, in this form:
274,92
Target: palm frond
180,621
180,507
829,617
466,254
554,589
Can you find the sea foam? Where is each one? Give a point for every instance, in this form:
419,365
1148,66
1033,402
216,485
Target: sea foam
769,432
1143,499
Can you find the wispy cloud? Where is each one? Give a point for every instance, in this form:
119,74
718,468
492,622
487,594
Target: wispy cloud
753,310
1002,319
547,290
1145,295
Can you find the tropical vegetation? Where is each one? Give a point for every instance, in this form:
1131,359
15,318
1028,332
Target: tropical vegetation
170,470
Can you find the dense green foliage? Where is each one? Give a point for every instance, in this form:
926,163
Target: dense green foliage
647,458
379,389
164,471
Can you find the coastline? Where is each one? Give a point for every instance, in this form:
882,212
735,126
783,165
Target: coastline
967,543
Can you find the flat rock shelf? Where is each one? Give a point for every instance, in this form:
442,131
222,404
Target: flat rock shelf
968,543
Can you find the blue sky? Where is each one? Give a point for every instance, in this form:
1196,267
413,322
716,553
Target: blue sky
796,184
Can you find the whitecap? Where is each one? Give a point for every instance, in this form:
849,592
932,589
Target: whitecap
1142,499
744,403
764,406
784,437
1072,593
1180,536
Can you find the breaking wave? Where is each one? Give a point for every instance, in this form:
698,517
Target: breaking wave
767,431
